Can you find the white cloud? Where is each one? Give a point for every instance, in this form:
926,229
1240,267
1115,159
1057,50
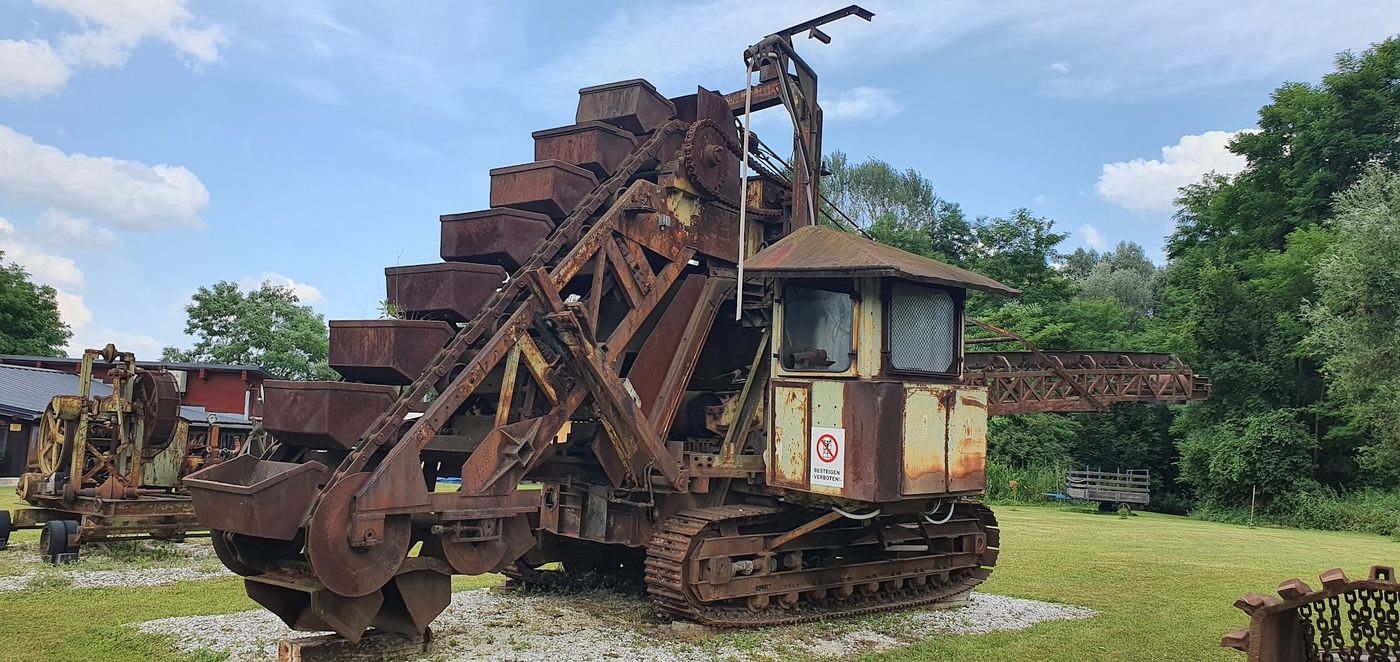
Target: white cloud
1092,237
110,31
130,194
31,69
143,346
113,28
1061,67
308,294
861,103
64,275
46,268
74,310
1151,184
58,228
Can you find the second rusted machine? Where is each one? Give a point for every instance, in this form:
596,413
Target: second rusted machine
108,466
762,419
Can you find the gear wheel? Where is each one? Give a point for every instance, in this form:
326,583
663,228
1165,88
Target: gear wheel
712,161
1344,620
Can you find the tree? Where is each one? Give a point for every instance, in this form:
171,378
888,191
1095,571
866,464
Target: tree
1021,250
29,319
266,327
1245,259
898,208
1356,317
1225,462
1124,274
1032,440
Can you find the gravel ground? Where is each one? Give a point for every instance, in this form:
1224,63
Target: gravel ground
157,563
490,625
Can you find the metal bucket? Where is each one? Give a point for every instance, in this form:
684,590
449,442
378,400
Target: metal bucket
255,497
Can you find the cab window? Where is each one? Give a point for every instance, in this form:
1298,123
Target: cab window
923,329
817,325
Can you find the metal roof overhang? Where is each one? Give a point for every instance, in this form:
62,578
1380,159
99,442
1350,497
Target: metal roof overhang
815,251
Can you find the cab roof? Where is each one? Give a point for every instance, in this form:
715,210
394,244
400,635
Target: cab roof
816,251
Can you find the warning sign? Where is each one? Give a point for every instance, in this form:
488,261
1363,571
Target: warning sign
828,457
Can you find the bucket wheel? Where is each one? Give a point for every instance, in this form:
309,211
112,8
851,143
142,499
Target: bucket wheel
345,569
54,435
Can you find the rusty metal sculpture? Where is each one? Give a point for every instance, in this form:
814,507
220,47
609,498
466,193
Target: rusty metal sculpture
1344,620
812,455
109,466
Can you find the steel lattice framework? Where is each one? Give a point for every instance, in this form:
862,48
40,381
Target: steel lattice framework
1026,382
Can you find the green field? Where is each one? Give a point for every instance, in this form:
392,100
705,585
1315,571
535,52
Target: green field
1163,586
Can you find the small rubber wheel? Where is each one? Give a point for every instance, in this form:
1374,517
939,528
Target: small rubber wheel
71,525
4,529
53,539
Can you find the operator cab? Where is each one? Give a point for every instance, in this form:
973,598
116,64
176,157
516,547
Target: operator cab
865,383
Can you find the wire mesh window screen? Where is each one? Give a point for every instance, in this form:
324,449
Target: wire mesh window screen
817,329
923,329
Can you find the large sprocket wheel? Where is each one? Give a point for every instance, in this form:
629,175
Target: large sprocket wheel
346,570
156,395
712,160
475,558
54,435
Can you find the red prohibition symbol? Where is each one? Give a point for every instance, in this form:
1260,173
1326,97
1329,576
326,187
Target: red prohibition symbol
827,448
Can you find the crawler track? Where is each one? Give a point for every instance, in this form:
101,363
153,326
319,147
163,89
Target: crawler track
849,570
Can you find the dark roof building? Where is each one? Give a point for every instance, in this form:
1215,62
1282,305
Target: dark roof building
230,389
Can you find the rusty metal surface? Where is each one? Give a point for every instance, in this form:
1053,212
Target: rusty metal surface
670,348
967,441
552,188
255,497
323,415
451,291
790,412
816,251
1026,382
700,566
1345,619
597,147
503,236
631,105
925,439
385,351
111,464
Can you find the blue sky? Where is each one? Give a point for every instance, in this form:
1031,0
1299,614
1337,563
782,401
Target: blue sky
148,147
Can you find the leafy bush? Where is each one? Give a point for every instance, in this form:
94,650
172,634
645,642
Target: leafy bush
1032,440
1271,451
1366,511
1027,484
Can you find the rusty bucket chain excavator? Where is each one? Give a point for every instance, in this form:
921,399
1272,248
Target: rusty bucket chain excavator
811,458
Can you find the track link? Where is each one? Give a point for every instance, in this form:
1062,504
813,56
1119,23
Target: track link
672,572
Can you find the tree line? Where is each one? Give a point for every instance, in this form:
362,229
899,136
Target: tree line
1282,285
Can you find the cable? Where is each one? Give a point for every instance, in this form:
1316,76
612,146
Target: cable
953,506
744,191
847,515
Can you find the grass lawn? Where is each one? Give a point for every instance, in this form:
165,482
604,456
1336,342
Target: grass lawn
1163,586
